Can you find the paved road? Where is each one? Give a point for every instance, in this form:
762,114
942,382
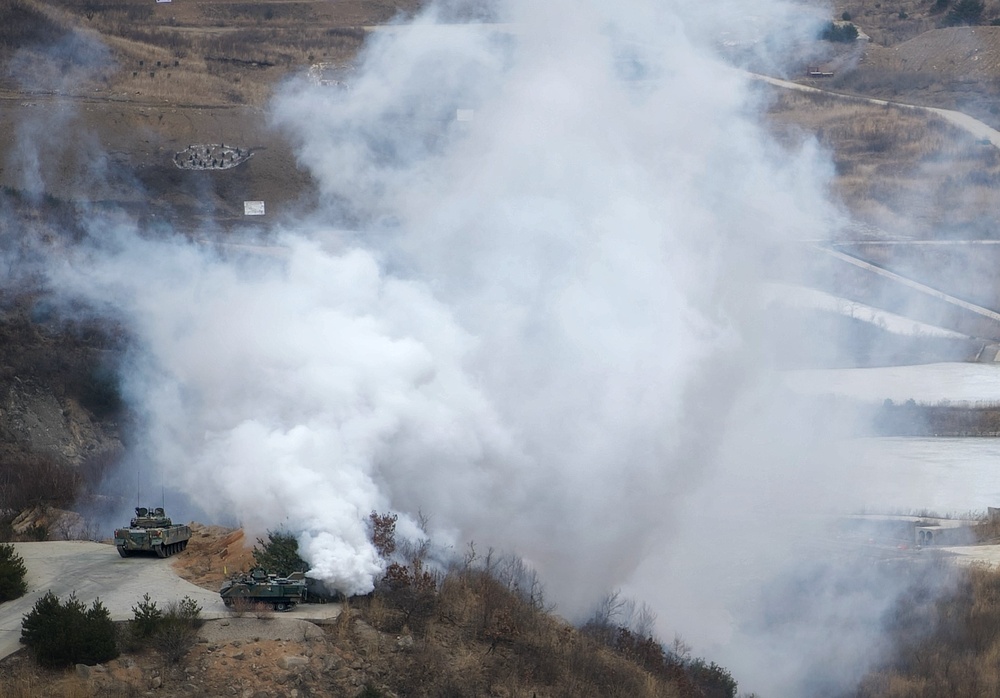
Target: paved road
96,570
915,285
93,570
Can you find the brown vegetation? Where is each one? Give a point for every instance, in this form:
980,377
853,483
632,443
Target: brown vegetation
211,52
897,168
480,628
946,646
911,419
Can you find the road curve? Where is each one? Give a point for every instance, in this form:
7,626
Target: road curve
95,570
971,125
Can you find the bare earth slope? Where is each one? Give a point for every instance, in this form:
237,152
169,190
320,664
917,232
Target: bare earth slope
957,53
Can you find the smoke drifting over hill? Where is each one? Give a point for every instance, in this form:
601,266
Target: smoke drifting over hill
540,332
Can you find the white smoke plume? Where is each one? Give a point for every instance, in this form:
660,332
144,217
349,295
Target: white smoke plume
539,330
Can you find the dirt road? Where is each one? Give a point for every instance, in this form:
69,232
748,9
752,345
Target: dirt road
971,125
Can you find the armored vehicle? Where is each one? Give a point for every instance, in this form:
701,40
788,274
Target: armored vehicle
258,586
151,530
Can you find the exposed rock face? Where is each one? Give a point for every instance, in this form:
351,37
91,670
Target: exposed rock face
59,524
45,424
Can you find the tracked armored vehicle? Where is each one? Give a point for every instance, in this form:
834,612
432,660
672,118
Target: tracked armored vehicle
152,531
259,587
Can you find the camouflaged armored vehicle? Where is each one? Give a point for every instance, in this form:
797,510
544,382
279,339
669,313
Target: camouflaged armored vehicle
152,531
258,586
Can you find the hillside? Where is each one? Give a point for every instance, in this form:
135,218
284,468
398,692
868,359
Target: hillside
914,56
470,631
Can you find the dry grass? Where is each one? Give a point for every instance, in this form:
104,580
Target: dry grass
211,53
945,647
897,168
487,632
892,22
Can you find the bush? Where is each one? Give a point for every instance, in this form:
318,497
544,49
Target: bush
712,679
839,33
146,618
383,533
172,632
965,12
280,554
12,574
61,634
411,592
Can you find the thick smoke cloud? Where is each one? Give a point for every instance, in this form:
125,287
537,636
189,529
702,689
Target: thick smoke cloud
597,227
527,311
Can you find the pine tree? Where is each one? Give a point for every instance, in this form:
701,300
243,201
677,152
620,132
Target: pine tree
280,554
12,573
62,634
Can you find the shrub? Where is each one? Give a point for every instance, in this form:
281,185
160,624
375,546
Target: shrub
410,591
175,638
712,679
839,33
384,533
172,631
965,12
146,618
61,634
12,574
620,626
187,610
280,554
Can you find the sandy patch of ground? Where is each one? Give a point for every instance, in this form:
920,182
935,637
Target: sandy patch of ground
975,554
213,554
